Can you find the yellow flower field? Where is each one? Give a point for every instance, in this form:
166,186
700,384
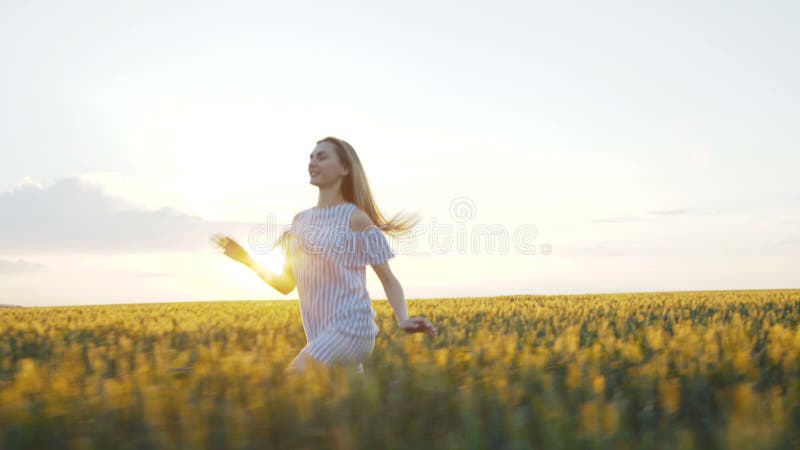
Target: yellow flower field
683,370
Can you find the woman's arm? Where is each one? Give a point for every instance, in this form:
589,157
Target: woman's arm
283,282
394,293
360,221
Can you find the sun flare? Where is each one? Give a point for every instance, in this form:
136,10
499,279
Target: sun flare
272,261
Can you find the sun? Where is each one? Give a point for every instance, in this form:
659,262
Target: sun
272,261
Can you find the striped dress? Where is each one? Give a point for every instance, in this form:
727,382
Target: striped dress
328,261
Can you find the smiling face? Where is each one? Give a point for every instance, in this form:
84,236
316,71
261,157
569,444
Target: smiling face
324,166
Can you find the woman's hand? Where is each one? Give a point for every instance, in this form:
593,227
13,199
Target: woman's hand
232,249
418,325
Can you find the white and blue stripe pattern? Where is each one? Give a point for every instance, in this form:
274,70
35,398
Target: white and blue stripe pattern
328,261
333,346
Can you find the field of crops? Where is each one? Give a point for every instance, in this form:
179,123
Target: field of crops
699,370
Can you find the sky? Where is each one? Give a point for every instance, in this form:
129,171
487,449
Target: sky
616,146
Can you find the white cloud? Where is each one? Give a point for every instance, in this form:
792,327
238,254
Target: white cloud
18,266
73,215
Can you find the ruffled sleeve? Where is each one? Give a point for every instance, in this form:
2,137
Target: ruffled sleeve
371,247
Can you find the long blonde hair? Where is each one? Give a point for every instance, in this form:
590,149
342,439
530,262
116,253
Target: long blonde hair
355,189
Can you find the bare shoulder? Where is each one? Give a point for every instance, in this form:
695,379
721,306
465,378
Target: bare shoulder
359,220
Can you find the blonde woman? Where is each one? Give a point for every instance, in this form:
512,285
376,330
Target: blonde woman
327,249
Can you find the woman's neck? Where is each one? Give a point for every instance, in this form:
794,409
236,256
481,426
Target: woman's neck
329,197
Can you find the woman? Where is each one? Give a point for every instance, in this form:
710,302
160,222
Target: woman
327,248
